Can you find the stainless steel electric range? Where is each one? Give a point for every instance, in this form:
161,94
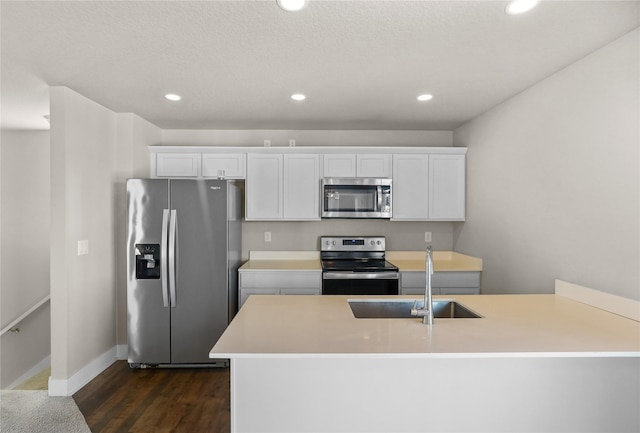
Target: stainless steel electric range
356,266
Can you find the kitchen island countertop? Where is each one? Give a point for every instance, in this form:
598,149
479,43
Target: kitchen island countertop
305,363
512,325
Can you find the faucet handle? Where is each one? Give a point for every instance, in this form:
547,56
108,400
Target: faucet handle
414,308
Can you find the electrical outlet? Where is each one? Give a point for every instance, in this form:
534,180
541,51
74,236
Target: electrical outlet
427,236
292,143
267,143
267,236
83,248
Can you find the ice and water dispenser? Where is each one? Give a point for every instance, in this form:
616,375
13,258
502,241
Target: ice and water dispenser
147,261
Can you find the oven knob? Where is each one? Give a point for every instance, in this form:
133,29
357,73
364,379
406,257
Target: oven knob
373,242
333,242
379,242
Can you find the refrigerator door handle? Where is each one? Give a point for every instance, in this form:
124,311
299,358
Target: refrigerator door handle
163,258
173,222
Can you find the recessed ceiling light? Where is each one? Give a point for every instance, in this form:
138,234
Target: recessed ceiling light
173,97
298,97
425,97
292,5
516,7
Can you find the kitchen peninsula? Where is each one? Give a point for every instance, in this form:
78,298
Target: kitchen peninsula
531,363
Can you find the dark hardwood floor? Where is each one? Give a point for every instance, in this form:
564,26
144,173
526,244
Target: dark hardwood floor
122,399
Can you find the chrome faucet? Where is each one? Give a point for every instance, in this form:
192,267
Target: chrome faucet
426,312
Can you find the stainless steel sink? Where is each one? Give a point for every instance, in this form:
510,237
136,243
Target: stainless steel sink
401,309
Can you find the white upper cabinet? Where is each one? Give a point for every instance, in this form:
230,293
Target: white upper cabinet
447,187
429,187
429,183
357,165
263,188
339,165
301,187
410,198
223,165
283,187
373,165
177,165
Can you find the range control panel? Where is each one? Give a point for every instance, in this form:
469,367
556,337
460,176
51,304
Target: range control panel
359,243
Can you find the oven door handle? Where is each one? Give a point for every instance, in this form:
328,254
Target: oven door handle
360,275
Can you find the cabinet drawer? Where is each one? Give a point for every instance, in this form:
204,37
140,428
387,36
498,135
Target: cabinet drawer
455,279
418,291
299,291
460,291
281,279
413,279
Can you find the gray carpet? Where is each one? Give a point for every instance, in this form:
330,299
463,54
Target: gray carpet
36,412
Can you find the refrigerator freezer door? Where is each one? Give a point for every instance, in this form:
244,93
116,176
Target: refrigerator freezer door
148,320
200,315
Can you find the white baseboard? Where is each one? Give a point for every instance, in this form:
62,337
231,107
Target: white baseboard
628,308
44,364
68,387
122,352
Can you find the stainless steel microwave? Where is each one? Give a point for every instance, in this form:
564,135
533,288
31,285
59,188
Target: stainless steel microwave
356,198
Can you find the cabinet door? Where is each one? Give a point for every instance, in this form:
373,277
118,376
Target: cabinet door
339,165
410,187
177,165
459,291
301,187
300,291
373,165
264,187
228,166
447,187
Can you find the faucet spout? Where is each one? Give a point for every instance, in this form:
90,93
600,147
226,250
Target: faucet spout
426,312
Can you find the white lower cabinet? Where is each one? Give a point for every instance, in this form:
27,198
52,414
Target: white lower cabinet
442,283
278,282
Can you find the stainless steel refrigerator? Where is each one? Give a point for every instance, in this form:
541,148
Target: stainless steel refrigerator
183,252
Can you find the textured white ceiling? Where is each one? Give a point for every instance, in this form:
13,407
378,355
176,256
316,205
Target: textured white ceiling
360,63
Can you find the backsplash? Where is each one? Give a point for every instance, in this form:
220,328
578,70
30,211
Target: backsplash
305,235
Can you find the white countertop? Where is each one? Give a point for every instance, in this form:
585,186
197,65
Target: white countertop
443,261
513,325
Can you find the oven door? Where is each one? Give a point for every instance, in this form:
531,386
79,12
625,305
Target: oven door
359,283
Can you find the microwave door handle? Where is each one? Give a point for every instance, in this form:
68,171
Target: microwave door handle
379,194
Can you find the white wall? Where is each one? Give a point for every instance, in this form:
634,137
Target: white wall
83,308
281,137
92,153
25,251
552,180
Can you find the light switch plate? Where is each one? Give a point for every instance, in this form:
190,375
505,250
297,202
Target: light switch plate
83,247
267,236
427,236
